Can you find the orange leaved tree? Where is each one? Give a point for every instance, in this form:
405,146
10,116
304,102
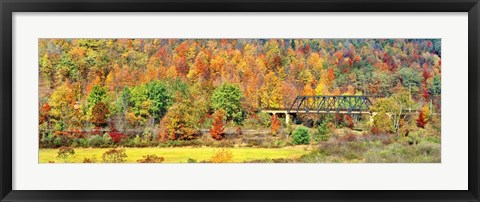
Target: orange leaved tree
275,124
218,126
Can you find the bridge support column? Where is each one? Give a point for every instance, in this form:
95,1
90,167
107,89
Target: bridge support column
287,118
371,117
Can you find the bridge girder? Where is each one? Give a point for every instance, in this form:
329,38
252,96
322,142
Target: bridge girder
335,104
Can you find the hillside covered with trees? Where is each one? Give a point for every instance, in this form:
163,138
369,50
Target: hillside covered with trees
146,92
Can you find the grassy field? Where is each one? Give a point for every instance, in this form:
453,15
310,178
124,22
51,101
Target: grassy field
177,154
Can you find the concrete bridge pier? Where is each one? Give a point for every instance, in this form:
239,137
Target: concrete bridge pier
287,115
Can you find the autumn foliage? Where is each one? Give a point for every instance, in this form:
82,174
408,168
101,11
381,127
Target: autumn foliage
114,156
44,110
218,126
151,159
348,121
275,126
423,116
167,89
99,114
115,134
222,156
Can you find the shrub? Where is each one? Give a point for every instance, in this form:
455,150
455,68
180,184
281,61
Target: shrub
300,136
95,141
75,143
117,136
222,156
322,133
125,142
137,141
90,160
114,156
61,140
277,144
263,119
381,123
107,140
289,129
175,143
420,135
257,120
65,152
239,131
432,139
183,143
151,159
399,153
349,137
82,142
47,140
57,141
190,160
147,135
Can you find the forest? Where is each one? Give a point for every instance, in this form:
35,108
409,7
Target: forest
204,100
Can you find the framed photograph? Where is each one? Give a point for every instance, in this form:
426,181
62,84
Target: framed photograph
239,101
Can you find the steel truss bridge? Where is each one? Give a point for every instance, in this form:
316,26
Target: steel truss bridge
326,104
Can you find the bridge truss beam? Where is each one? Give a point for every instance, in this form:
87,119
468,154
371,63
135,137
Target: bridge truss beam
326,104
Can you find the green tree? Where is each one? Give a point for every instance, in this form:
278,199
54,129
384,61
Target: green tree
228,97
300,136
122,105
67,69
123,102
322,133
409,76
97,94
46,69
411,79
160,98
434,85
141,104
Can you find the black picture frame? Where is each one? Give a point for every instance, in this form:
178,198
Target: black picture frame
7,8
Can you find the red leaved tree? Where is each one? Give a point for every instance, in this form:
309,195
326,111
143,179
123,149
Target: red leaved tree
422,119
425,93
44,110
115,134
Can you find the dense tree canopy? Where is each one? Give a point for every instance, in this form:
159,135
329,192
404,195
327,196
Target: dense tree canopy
227,97
140,81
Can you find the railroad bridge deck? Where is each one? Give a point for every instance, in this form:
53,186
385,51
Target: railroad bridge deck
326,104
